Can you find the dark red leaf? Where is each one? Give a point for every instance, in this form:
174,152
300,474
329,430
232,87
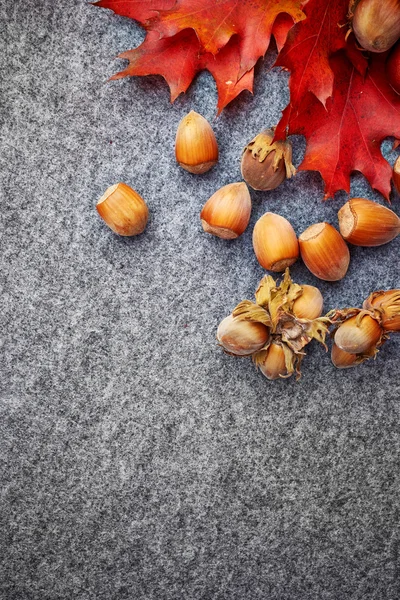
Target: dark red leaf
347,136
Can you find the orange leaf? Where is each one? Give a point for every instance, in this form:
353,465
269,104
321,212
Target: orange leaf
215,21
282,25
178,59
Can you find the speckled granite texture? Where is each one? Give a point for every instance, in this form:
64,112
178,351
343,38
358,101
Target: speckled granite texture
138,462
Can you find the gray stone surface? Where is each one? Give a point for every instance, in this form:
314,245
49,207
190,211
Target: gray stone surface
137,460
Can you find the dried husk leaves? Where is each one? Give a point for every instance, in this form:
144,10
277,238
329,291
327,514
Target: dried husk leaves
273,308
340,316
262,145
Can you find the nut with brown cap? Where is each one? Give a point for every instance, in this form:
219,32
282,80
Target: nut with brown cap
227,213
366,223
324,252
196,148
265,163
275,243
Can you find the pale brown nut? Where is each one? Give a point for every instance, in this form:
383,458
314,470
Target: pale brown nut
241,337
310,304
274,365
366,223
358,335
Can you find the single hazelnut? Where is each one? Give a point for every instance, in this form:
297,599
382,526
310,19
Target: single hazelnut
324,252
227,213
275,243
196,148
366,223
123,210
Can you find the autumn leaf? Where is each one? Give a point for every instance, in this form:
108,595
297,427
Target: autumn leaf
310,45
340,101
178,59
280,30
224,67
347,135
140,10
175,58
215,21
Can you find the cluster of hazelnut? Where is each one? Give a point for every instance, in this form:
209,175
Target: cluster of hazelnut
275,329
285,318
360,332
266,164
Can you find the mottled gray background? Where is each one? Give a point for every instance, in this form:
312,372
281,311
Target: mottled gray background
137,460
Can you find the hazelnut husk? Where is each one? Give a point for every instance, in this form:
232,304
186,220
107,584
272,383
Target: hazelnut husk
359,333
386,307
265,163
288,334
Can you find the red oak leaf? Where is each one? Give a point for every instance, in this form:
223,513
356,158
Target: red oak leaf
178,59
146,10
309,46
280,30
224,67
140,10
215,21
347,135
